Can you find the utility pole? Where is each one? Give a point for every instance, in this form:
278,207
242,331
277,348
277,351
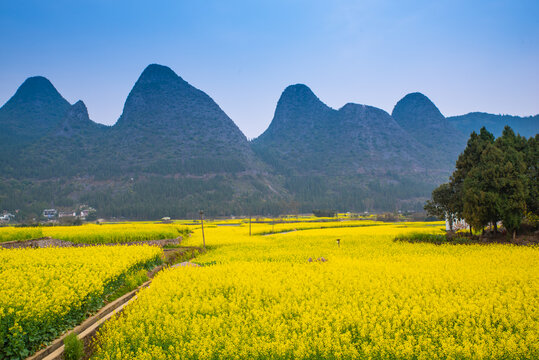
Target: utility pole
249,225
202,222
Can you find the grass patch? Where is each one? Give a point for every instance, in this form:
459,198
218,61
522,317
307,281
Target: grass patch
131,282
172,246
74,347
181,256
437,239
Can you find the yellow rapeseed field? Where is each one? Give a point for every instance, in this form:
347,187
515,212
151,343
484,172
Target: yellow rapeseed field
96,234
260,298
10,233
45,291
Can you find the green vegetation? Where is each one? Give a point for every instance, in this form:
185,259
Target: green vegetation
438,239
186,255
131,281
324,213
150,165
495,180
526,126
73,347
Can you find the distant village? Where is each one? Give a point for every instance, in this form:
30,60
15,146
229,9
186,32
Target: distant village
52,215
6,217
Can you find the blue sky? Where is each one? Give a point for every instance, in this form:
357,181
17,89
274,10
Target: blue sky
464,55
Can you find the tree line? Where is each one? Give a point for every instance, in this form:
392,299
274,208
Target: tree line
494,180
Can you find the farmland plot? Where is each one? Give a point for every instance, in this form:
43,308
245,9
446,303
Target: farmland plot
301,296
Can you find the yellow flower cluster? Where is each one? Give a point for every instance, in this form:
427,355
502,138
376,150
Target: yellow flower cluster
260,298
9,233
44,291
97,234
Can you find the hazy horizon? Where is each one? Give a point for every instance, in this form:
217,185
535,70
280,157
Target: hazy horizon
474,57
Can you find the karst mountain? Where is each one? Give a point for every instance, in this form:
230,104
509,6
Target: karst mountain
173,151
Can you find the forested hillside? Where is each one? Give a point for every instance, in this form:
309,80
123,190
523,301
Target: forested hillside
174,151
525,126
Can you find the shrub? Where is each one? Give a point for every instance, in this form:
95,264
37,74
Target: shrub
73,347
438,239
422,237
387,217
324,213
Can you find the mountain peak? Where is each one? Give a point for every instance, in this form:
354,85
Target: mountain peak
298,94
298,112
416,96
36,88
296,102
416,114
78,113
35,109
364,110
348,107
157,73
155,95
164,109
79,106
298,88
417,104
75,119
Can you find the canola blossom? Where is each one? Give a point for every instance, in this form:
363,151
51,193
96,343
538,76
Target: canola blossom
97,234
43,292
260,298
9,233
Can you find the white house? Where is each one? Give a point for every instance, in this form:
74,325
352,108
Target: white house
6,217
67,214
458,224
50,213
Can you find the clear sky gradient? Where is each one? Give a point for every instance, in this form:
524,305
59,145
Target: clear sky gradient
464,55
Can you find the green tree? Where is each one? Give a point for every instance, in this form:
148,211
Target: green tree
493,180
531,156
443,204
481,198
467,160
513,182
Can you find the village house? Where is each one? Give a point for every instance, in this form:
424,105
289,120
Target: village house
67,214
50,213
6,217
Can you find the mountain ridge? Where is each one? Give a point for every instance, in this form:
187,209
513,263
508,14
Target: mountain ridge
173,151
473,121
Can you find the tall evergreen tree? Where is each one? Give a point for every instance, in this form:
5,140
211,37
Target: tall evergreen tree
466,161
531,156
481,189
513,182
